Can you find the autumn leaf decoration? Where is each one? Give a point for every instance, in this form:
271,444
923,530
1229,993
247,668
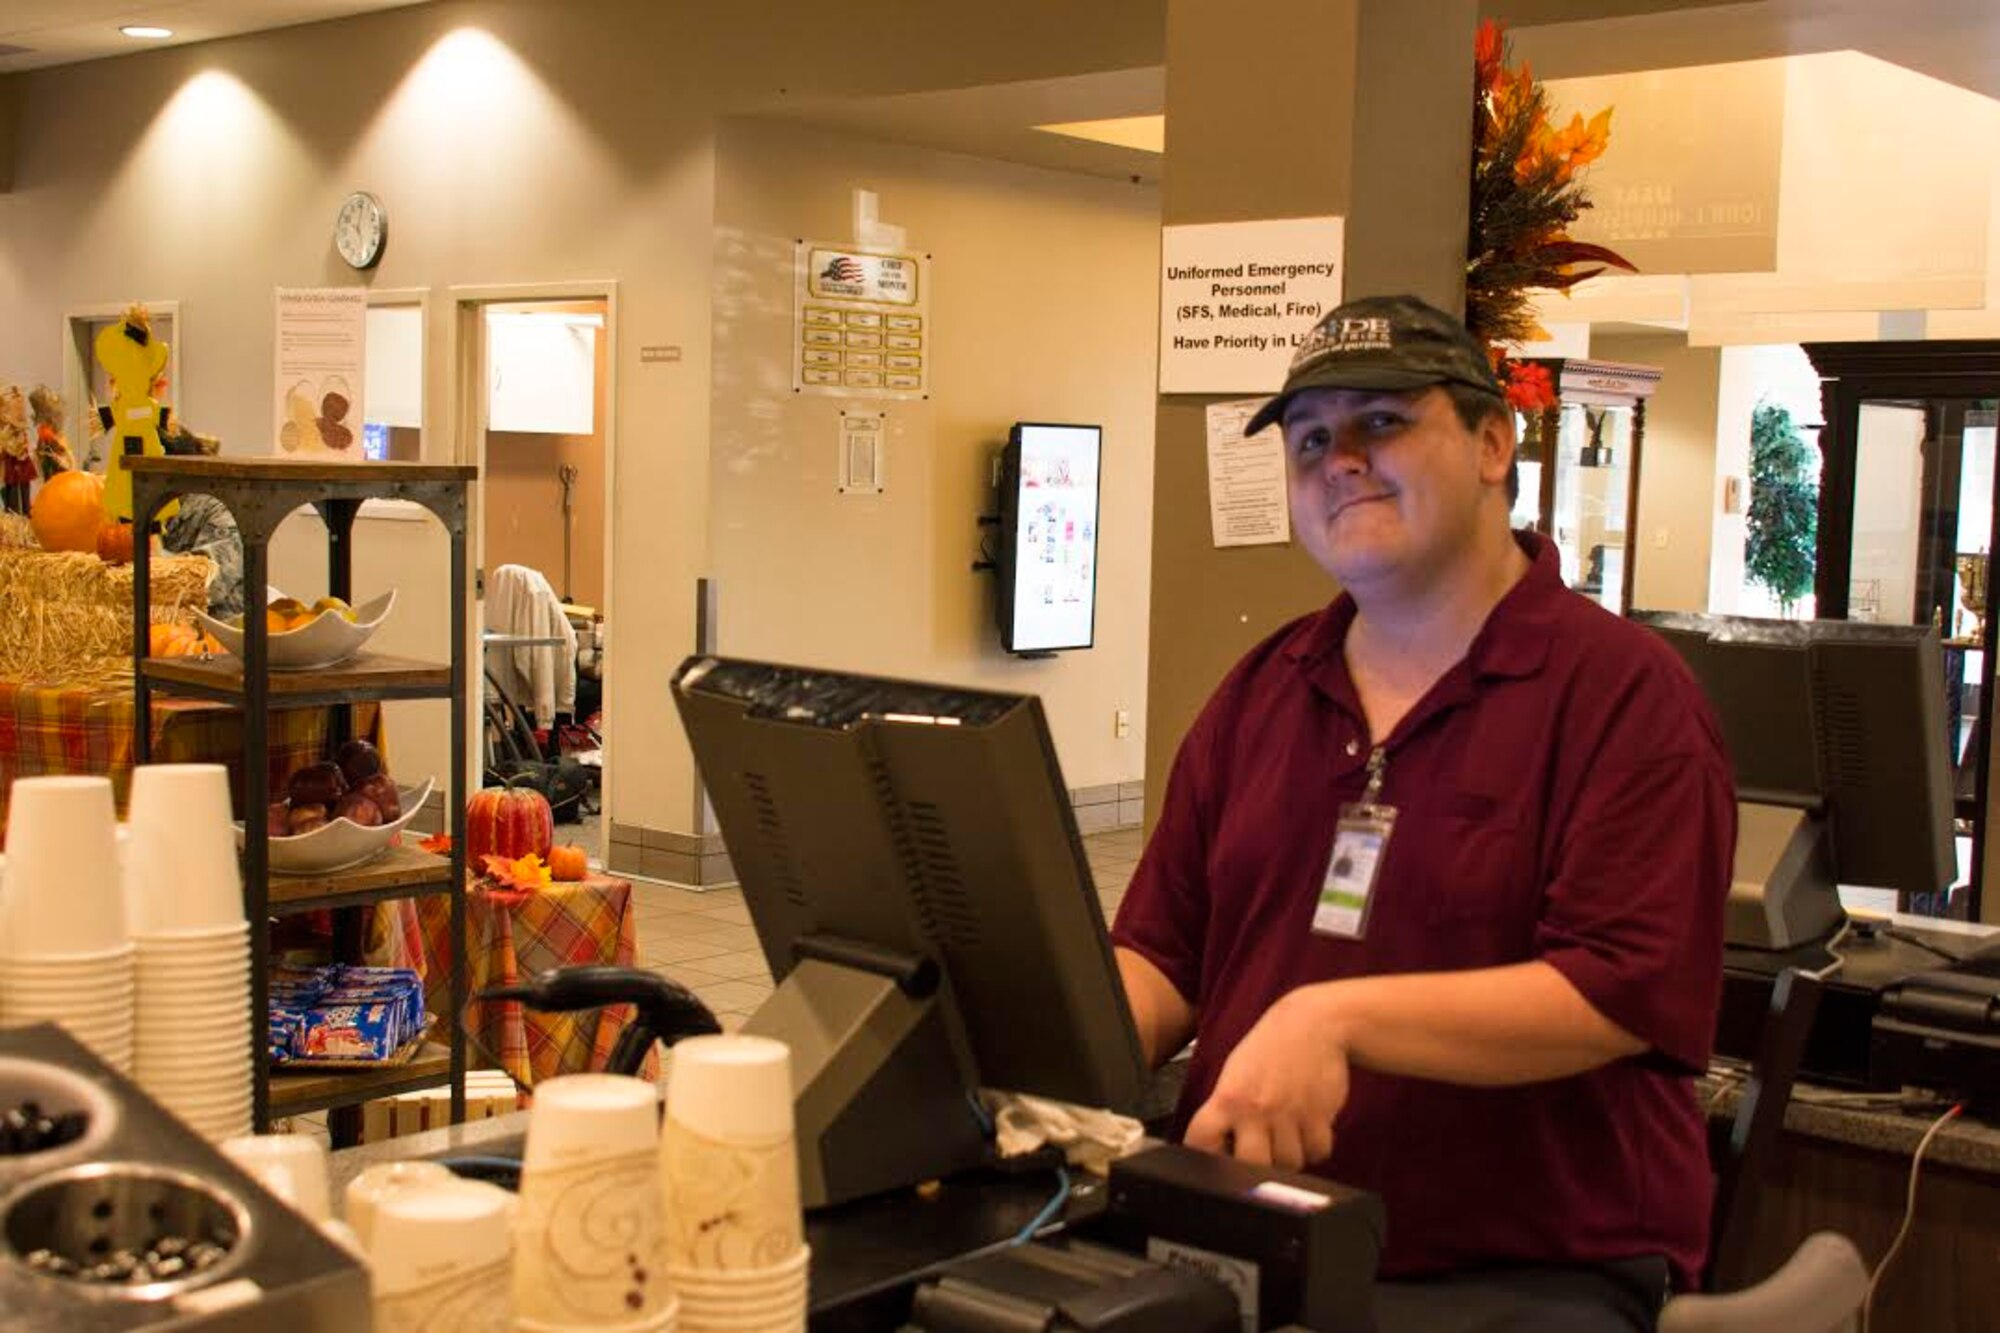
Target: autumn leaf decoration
1525,196
525,875
438,844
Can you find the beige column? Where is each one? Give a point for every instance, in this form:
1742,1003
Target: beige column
1292,108
10,128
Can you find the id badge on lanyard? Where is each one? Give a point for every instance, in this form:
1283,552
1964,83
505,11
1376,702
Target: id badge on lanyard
1354,864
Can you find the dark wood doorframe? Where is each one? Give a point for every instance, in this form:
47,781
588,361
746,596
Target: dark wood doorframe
1937,540
1853,373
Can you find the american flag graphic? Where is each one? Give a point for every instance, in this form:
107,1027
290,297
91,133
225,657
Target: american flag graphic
842,268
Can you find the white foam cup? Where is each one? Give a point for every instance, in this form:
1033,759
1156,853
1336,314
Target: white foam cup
291,1166
183,873
64,897
368,1190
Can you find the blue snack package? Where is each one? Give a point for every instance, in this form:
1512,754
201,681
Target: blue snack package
350,1032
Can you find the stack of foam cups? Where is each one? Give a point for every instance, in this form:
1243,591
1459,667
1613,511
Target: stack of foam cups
736,1251
184,893
590,1237
65,954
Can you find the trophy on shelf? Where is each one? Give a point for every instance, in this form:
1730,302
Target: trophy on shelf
1972,592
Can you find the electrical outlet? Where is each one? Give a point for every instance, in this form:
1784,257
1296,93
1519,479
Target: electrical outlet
1660,538
1121,723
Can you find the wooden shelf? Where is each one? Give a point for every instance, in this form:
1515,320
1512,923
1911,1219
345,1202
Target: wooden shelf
318,1090
401,872
262,494
364,676
301,472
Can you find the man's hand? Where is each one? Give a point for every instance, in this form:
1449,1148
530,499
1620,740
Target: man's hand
1280,1089
1287,1080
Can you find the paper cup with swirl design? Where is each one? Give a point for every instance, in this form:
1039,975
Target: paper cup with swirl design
438,1259
730,1207
590,1238
728,1155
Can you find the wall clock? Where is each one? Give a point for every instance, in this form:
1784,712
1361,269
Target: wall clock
361,229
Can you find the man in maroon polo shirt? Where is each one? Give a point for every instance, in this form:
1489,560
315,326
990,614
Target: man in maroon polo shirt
1438,880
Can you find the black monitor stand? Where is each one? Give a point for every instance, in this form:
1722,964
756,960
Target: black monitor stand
1782,893
883,1084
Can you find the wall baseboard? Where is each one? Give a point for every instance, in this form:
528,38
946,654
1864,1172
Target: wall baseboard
685,860
1114,805
701,861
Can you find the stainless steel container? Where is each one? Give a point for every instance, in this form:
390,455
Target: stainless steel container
139,1224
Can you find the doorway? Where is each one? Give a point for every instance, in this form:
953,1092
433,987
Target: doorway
85,385
1906,531
535,398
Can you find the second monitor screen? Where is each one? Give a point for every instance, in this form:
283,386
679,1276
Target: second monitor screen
1055,556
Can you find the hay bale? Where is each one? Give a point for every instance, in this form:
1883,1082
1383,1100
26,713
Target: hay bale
17,533
66,617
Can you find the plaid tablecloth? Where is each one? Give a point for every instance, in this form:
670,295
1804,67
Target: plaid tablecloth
65,730
515,935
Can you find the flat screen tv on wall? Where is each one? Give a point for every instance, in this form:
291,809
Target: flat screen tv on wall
1048,537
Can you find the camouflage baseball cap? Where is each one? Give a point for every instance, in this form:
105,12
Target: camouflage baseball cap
1387,343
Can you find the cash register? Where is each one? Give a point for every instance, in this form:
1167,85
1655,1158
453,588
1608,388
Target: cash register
1842,757
915,876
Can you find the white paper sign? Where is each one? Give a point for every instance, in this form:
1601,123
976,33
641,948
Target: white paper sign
1248,501
321,372
1237,297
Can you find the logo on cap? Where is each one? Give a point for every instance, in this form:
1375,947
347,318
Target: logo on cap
1338,336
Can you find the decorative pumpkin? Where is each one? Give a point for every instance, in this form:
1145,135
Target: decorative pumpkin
114,543
569,862
68,511
167,639
508,821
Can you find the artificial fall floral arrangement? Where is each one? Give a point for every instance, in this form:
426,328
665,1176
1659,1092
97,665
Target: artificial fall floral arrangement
1525,196
524,874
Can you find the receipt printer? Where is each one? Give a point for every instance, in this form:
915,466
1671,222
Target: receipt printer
1941,1030
1296,1249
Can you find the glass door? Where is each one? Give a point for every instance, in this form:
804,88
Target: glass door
1920,534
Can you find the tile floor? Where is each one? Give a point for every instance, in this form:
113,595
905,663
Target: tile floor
704,940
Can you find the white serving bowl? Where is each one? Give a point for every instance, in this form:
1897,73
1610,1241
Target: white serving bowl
342,844
327,641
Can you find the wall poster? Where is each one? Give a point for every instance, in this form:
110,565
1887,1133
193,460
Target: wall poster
321,363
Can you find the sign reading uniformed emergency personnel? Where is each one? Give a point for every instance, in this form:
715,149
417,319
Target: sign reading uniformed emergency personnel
1237,298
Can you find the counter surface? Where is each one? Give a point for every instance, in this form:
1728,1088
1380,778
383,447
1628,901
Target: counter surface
1876,1121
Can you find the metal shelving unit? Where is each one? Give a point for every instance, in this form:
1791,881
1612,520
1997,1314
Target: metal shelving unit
261,494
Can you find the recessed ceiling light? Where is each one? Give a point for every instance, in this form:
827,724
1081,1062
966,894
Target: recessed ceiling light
1146,133
147,32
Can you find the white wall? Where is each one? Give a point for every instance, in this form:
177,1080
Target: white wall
511,142
1045,297
1888,510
